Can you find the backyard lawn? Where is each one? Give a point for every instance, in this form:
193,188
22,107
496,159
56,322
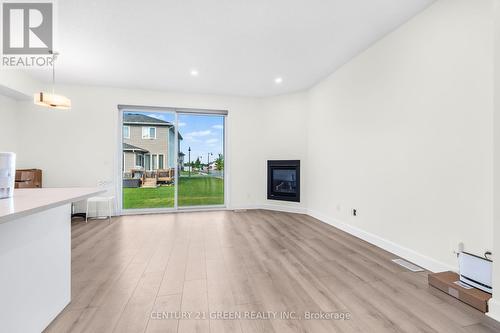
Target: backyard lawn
194,191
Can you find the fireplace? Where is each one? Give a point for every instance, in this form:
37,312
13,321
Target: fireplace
283,180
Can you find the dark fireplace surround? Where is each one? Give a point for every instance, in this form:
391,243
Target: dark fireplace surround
283,180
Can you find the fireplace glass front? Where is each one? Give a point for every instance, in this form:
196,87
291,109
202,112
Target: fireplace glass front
284,180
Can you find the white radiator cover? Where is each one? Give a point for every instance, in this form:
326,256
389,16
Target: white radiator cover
475,271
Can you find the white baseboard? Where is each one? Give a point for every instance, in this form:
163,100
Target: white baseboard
400,251
287,209
278,208
244,207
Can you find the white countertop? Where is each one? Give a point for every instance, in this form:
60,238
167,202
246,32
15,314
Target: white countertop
29,201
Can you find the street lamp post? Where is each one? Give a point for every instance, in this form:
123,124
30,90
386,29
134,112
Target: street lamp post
208,162
189,159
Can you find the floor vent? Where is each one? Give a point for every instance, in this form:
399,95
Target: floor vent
408,265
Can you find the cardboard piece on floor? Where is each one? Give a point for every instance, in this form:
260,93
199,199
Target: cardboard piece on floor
474,297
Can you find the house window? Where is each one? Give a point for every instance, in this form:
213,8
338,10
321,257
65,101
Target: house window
147,162
149,132
155,162
139,160
160,161
126,132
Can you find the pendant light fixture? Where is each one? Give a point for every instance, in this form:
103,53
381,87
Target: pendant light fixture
52,100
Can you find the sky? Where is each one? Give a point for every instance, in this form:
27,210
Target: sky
203,133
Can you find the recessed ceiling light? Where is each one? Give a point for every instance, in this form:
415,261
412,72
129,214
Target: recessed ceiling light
278,80
194,72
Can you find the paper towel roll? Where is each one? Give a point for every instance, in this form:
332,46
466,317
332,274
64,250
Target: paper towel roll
7,174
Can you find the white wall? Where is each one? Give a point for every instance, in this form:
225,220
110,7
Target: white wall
78,147
403,133
8,124
494,303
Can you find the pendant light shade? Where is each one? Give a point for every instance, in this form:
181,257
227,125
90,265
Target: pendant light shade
52,101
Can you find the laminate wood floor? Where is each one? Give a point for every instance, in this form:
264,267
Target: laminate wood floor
229,272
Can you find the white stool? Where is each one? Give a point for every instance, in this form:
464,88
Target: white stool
97,201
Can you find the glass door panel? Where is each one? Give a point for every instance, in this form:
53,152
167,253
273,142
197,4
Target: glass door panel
148,169
200,160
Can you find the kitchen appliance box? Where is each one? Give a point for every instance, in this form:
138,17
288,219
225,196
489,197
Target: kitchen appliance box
445,281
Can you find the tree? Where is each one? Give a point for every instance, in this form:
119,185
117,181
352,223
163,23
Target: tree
219,162
197,164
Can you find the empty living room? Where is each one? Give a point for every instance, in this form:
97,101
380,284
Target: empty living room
249,166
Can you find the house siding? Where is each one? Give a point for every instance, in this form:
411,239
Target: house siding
153,146
129,161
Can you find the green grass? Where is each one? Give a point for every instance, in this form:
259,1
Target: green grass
195,191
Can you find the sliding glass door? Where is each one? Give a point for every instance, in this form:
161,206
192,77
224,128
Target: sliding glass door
148,153
201,163
171,159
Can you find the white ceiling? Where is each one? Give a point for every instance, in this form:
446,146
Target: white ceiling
238,46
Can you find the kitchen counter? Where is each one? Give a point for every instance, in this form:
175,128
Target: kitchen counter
35,256
29,201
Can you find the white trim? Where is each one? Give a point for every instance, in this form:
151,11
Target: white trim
276,208
225,140
146,211
119,174
142,108
176,159
185,209
130,123
201,208
286,209
401,251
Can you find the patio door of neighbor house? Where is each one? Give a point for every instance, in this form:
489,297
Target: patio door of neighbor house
171,159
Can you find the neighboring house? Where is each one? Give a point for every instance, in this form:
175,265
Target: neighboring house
181,160
211,166
148,143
